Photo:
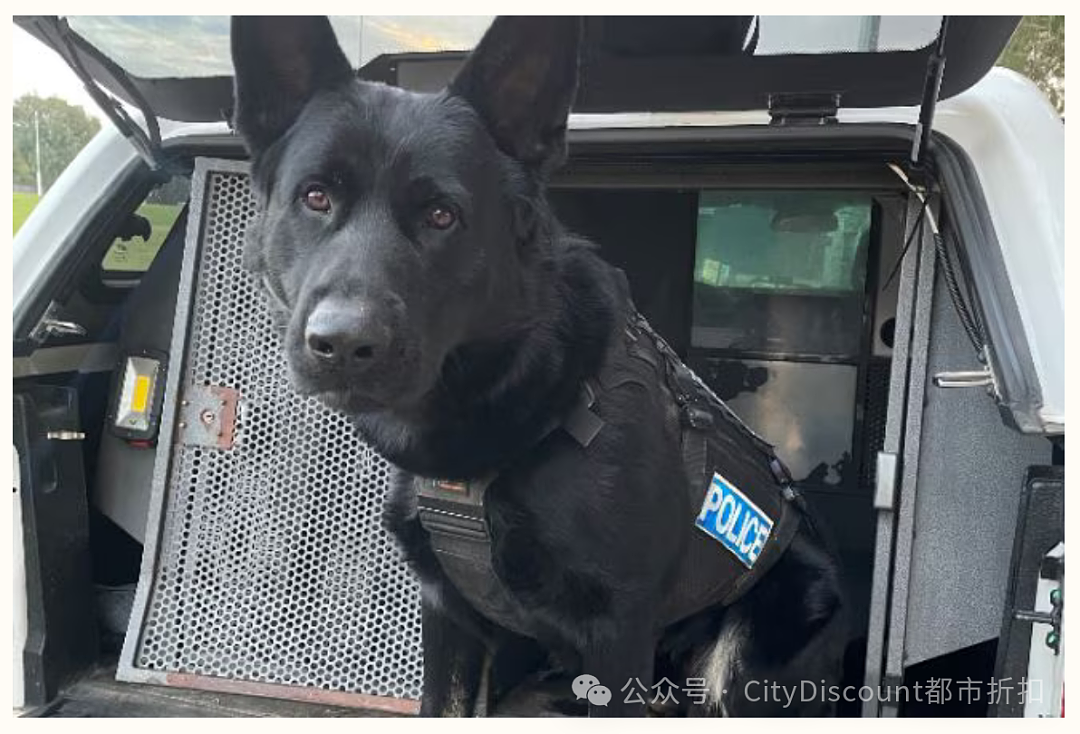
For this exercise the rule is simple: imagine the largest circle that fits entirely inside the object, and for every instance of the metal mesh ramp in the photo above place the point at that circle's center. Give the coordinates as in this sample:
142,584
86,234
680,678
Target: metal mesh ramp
266,569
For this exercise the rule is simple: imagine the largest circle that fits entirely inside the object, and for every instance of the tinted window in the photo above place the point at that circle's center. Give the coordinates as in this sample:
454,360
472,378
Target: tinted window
780,271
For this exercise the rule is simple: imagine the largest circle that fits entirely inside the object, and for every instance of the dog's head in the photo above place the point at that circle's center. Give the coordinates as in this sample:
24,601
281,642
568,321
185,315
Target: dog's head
393,226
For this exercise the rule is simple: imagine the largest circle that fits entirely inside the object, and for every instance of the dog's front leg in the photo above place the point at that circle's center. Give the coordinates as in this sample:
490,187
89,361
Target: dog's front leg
453,665
621,657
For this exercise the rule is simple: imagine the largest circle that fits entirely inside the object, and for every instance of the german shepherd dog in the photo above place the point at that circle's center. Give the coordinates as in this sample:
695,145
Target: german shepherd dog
425,288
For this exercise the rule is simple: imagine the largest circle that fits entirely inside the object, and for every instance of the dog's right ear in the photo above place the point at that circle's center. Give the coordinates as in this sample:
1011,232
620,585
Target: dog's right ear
280,63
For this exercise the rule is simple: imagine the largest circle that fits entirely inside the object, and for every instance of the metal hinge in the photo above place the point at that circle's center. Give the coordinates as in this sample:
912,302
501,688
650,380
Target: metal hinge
984,377
807,108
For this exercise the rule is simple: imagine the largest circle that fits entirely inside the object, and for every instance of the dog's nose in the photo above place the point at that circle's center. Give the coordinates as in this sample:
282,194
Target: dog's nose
345,334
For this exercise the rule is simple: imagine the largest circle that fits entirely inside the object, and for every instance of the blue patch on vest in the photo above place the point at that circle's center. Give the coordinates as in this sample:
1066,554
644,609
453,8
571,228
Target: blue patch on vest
729,516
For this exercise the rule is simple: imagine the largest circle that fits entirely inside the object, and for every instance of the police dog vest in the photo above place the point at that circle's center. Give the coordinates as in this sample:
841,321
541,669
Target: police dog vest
746,510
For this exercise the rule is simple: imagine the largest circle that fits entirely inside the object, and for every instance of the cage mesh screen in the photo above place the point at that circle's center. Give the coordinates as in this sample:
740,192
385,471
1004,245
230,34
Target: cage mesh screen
273,565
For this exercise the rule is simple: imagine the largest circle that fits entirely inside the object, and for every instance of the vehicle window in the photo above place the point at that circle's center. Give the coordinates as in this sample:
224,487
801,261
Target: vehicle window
142,235
817,34
780,271
791,241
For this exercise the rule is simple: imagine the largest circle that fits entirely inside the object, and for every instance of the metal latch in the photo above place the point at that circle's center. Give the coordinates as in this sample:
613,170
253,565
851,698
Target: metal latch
65,435
964,378
208,416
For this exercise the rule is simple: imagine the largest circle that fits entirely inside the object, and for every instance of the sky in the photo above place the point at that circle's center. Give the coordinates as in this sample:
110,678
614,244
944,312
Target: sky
42,71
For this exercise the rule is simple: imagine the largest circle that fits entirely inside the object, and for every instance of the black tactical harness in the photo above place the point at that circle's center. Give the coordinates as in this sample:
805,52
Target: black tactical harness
713,439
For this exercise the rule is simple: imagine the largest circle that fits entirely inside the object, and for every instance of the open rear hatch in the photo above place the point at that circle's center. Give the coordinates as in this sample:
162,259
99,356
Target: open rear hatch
801,69
179,68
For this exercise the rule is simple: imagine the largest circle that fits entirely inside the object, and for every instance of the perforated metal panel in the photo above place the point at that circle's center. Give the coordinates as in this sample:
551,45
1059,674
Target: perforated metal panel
271,565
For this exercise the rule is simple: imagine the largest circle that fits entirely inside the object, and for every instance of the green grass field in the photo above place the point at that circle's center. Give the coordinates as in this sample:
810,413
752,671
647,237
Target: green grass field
24,204
131,256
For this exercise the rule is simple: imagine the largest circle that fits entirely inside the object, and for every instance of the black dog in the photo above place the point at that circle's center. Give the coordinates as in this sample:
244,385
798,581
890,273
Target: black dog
425,288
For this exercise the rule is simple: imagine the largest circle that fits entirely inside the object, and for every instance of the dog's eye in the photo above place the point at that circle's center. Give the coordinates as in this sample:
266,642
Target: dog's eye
441,217
316,199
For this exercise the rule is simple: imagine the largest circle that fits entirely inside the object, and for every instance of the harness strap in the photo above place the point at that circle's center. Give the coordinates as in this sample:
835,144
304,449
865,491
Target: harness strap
452,512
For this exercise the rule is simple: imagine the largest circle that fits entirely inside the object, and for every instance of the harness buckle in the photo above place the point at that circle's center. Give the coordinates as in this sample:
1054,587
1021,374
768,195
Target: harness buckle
781,474
698,417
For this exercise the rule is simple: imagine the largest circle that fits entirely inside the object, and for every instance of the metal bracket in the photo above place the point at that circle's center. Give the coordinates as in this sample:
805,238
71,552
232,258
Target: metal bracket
208,416
49,326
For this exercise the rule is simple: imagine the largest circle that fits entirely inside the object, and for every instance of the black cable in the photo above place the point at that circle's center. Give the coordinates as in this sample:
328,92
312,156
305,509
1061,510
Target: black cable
968,318
916,227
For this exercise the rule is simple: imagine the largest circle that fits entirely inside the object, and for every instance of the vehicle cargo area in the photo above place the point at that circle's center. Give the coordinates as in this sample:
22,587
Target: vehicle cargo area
787,282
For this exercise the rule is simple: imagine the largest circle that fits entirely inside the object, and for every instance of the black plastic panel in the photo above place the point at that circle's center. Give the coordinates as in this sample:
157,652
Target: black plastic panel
61,638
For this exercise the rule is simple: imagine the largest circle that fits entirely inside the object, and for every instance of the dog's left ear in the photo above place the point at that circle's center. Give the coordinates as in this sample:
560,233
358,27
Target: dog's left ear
521,79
